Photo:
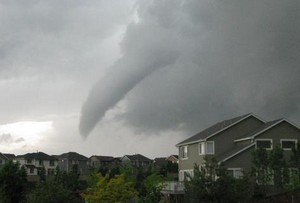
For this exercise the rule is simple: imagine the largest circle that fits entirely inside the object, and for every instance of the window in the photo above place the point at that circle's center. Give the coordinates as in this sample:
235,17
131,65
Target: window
288,144
235,172
40,162
31,170
51,163
51,172
29,161
183,152
186,175
207,147
264,144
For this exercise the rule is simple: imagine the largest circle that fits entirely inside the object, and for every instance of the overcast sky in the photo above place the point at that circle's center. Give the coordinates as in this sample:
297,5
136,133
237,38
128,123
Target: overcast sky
138,76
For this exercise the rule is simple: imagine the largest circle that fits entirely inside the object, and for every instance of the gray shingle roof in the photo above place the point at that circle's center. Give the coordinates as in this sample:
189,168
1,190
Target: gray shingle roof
138,157
37,155
73,156
214,129
104,158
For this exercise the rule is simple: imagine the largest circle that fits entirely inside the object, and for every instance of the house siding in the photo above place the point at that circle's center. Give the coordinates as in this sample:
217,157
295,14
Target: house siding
221,145
281,131
224,140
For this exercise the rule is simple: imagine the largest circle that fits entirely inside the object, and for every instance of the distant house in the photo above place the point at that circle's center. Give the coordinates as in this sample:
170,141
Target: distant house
34,162
67,162
232,142
4,158
137,160
173,158
160,162
98,162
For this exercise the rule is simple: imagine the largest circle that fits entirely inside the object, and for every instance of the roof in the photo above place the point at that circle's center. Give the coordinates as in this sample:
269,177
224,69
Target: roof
73,156
37,155
7,156
103,158
137,157
237,150
10,156
160,161
215,129
233,152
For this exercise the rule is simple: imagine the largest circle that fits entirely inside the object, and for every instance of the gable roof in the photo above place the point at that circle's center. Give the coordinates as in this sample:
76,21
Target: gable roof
252,135
37,155
266,127
10,156
103,158
235,152
215,129
160,161
7,156
137,157
73,156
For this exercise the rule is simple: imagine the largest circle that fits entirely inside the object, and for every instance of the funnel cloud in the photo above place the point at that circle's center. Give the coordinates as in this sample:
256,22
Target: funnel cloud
188,64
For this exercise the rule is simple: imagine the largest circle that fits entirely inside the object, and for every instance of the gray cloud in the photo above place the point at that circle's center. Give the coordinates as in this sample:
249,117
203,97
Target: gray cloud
7,138
187,64
49,53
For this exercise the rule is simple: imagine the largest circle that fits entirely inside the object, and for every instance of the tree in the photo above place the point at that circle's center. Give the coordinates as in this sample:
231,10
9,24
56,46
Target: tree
115,189
13,180
211,183
51,191
153,185
63,187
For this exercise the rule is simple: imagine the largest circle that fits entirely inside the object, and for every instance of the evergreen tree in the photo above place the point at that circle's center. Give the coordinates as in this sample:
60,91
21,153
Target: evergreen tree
13,181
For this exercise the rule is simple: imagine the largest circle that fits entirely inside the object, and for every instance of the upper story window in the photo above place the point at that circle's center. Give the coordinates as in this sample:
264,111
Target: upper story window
41,162
183,151
29,161
264,144
207,147
288,144
51,162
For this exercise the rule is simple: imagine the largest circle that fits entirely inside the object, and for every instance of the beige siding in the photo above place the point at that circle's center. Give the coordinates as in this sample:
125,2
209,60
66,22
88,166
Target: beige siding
193,158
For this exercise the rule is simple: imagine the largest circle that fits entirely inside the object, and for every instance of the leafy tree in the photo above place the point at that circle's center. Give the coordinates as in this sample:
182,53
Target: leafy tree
13,180
52,191
42,174
63,187
260,170
110,190
153,185
211,183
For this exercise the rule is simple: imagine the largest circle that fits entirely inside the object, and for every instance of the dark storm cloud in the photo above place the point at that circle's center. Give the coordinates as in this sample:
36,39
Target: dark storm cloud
187,64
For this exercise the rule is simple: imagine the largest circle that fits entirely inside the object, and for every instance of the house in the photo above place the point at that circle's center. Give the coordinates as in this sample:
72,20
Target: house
137,160
98,162
4,158
232,142
67,162
34,162
173,158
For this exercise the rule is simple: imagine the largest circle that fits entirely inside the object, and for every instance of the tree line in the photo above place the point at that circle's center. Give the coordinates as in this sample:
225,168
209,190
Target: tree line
120,184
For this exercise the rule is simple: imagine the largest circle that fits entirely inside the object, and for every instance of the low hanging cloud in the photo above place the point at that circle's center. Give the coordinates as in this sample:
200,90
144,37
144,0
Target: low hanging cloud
7,139
187,64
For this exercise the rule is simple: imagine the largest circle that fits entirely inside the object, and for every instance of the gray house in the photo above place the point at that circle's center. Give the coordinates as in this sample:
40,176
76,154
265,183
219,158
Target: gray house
4,158
34,162
67,161
137,160
232,142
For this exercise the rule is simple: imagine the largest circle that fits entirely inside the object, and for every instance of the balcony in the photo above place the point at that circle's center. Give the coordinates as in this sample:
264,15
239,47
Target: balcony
173,187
